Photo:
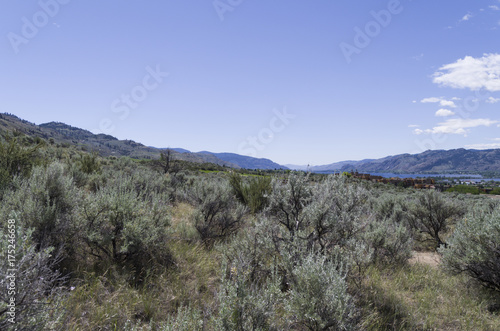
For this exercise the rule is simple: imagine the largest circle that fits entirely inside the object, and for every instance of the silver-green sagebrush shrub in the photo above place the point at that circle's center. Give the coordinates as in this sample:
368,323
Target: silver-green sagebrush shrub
325,217
328,218
318,297
388,234
186,319
338,213
250,290
391,242
474,247
218,215
245,305
274,283
123,226
288,198
34,285
47,202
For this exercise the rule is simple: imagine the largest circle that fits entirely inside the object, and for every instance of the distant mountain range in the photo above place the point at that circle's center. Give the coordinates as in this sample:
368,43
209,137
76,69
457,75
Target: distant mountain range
436,161
241,161
432,161
106,145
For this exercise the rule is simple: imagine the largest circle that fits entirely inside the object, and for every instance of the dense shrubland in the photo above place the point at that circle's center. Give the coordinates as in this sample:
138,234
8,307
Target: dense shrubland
115,243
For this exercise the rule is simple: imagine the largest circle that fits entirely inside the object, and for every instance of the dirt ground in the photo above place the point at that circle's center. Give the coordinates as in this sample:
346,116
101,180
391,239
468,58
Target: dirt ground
430,258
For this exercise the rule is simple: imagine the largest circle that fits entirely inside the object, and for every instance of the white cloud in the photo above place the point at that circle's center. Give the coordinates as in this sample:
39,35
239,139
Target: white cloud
432,99
483,146
442,102
472,73
492,100
457,126
466,17
494,7
444,112
418,131
418,57
413,126
447,103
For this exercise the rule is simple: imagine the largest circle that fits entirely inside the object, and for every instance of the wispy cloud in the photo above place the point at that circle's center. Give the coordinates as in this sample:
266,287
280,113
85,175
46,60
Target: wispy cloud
442,101
418,57
413,126
466,17
472,73
444,112
483,146
459,126
492,100
494,7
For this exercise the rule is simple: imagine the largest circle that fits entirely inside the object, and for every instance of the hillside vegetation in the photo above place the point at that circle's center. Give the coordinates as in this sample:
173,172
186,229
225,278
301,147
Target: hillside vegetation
115,243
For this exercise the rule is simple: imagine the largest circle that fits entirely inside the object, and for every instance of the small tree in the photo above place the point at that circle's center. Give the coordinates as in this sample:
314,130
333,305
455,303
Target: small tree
432,213
166,163
287,200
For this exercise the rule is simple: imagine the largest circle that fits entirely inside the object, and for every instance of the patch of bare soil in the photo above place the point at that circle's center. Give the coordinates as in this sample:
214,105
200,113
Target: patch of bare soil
429,258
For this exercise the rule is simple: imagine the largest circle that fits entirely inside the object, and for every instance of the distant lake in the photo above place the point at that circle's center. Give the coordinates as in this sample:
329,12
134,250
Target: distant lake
475,178
389,175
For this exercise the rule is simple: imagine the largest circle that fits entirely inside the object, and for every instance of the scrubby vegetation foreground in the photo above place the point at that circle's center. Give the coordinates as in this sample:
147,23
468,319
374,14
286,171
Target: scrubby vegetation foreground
115,243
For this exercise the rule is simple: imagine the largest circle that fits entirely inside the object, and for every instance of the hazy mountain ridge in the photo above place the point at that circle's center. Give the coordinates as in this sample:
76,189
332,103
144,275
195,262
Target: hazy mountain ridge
437,161
247,162
107,145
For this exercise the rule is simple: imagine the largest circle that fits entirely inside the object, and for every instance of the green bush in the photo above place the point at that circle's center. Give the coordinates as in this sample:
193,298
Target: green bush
89,163
15,160
126,227
474,248
388,234
318,298
253,193
218,215
47,202
464,189
391,242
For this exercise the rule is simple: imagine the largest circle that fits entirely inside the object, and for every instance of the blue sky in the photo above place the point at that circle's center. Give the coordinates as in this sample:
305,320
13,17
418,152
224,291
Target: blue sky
296,81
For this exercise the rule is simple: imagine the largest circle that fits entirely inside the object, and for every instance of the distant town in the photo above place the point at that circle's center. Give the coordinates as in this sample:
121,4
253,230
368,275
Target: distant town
472,186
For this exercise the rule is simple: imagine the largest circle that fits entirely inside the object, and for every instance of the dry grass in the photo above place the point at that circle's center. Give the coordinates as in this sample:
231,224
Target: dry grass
109,302
180,222
423,297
